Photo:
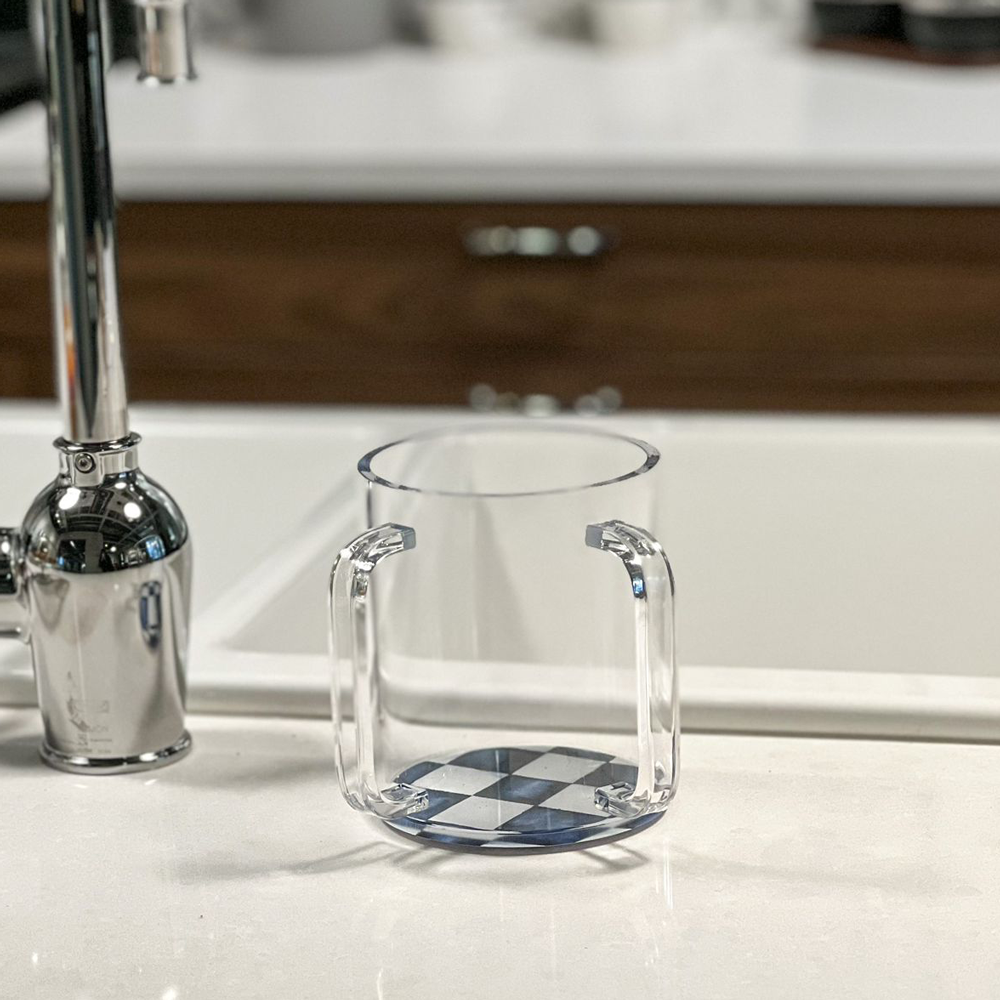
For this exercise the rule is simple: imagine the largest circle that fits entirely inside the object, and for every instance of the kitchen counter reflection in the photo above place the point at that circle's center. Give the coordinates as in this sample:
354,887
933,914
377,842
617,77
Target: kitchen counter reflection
786,869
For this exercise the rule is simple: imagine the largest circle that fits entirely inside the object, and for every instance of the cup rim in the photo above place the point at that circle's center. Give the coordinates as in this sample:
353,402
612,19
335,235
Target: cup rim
652,457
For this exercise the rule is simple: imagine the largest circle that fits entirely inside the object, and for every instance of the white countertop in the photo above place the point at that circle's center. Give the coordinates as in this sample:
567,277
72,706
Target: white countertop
729,112
786,869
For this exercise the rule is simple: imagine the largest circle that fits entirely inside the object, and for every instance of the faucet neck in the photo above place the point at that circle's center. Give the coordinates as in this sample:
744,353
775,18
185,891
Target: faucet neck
84,250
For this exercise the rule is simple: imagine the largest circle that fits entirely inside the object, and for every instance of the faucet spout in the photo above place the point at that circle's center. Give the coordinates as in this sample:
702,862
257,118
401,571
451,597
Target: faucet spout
89,364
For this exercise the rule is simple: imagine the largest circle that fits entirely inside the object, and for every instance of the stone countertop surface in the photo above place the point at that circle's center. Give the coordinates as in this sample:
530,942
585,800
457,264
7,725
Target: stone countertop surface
786,868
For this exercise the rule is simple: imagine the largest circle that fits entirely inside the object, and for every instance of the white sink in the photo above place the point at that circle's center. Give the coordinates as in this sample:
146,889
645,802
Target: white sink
835,575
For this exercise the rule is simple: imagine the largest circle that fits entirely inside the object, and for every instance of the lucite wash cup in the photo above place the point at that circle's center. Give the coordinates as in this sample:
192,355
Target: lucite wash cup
502,639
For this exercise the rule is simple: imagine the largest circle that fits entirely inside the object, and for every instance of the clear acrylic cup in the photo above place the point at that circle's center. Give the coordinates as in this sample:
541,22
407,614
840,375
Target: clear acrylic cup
506,680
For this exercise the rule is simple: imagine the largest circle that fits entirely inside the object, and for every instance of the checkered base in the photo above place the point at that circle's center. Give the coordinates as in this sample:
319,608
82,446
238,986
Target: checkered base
518,798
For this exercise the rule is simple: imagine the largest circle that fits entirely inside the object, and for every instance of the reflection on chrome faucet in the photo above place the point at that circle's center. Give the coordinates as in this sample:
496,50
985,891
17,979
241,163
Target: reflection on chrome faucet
97,578
150,613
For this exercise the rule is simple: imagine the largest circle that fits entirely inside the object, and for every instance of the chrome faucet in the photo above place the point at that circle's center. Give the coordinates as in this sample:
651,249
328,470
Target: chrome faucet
97,579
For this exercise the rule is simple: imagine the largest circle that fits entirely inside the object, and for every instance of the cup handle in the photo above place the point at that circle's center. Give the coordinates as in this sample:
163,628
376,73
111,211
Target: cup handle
657,695
353,655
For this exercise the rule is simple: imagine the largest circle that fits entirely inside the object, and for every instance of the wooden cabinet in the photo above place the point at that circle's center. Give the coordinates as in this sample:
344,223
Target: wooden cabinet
722,307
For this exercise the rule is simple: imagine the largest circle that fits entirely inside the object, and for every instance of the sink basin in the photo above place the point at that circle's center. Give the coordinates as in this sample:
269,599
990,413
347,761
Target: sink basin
835,575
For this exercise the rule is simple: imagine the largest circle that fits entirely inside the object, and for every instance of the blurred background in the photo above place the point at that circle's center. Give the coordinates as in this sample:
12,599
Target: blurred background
541,204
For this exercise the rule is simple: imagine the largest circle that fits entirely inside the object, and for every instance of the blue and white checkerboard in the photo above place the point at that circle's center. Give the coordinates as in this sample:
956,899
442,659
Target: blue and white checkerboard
531,798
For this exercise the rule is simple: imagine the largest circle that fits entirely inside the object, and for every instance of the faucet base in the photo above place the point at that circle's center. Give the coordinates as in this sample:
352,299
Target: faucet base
77,764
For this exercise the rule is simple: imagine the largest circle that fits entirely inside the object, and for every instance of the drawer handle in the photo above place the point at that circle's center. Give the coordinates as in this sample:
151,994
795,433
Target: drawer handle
580,242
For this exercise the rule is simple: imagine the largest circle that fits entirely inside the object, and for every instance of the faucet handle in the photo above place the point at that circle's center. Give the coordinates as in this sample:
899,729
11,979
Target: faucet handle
163,31
13,620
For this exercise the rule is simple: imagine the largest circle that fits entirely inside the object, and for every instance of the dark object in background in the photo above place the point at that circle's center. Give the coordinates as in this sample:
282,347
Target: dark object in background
838,19
952,27
14,15
20,75
121,15
22,70
21,78
953,32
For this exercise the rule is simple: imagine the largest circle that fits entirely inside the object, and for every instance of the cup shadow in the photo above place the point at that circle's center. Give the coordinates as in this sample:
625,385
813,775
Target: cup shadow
420,859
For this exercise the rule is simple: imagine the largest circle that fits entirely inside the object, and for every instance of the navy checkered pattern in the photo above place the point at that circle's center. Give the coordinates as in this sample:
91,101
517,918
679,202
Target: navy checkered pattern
543,796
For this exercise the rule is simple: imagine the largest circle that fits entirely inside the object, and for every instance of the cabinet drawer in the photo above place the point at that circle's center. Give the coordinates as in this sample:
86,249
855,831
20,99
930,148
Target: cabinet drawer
825,308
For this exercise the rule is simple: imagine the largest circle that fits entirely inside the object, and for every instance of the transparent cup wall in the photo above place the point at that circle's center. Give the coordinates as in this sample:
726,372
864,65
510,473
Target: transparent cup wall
502,639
